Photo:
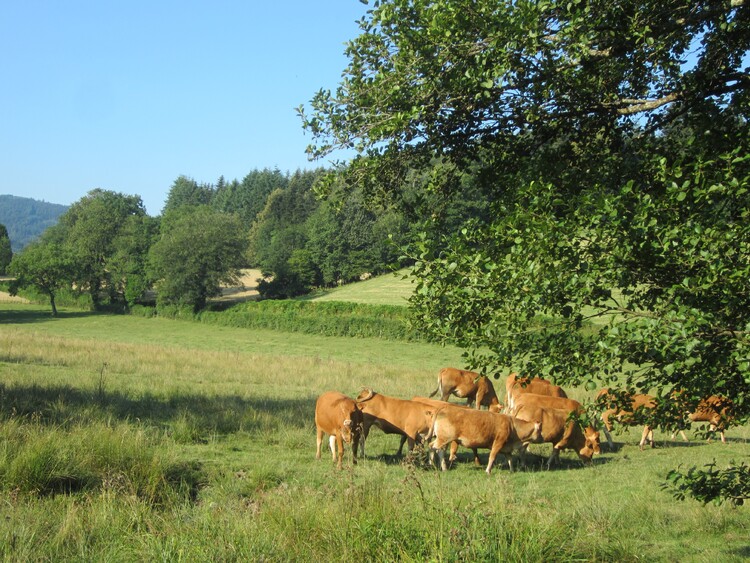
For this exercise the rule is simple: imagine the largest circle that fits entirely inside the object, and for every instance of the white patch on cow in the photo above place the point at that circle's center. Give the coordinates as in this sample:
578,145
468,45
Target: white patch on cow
332,445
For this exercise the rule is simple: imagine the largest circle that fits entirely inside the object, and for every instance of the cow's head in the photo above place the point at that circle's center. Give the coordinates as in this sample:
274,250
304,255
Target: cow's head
592,439
352,426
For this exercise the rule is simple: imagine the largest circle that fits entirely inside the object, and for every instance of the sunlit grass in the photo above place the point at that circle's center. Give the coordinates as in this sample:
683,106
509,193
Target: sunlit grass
171,440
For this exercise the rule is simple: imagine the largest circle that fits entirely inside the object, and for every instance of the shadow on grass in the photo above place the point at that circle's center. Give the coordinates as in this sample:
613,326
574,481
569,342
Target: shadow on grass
533,462
194,416
29,316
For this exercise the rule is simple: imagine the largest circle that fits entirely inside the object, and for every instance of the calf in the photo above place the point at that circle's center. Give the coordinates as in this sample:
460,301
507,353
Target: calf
475,388
515,385
562,433
338,416
635,413
500,433
394,416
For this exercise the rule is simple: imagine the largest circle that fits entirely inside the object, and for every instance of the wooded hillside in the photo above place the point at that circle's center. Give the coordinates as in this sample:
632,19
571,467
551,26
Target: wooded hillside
27,218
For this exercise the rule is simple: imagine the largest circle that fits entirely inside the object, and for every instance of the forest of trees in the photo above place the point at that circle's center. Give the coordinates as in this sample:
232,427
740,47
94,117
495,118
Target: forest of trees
106,247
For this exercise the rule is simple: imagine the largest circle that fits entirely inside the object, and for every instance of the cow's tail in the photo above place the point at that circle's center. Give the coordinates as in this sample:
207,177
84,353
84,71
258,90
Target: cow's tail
431,432
439,388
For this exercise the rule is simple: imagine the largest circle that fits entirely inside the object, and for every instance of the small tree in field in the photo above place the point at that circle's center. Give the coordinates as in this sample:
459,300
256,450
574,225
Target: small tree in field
45,266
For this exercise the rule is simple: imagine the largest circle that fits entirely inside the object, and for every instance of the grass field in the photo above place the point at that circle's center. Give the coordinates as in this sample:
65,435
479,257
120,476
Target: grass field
132,439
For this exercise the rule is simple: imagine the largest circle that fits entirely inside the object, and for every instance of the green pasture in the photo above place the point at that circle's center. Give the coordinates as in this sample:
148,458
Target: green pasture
387,289
134,439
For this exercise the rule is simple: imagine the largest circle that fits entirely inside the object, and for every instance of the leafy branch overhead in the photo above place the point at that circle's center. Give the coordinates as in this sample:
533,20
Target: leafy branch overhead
610,141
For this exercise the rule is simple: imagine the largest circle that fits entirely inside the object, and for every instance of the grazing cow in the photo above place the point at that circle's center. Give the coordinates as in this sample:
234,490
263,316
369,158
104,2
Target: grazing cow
632,415
516,385
562,433
441,405
394,416
716,411
500,433
545,401
338,416
469,385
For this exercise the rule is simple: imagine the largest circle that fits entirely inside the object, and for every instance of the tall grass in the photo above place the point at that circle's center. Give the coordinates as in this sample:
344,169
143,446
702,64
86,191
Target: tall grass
145,439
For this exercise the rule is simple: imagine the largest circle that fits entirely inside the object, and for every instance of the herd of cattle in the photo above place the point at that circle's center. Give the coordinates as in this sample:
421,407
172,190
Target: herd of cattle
535,411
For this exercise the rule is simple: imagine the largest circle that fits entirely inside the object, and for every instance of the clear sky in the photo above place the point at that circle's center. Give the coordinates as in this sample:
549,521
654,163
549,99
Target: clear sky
128,95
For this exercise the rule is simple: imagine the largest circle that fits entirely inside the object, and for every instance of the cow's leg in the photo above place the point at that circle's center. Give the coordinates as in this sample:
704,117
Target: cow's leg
454,449
476,457
401,445
607,428
493,454
648,434
319,440
410,442
363,438
340,448
332,445
355,445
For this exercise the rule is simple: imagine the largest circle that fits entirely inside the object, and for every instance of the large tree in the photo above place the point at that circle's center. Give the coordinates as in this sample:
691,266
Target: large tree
199,250
611,141
91,228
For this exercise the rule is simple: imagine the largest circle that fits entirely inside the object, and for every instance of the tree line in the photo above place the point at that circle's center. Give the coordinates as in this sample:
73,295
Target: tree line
106,248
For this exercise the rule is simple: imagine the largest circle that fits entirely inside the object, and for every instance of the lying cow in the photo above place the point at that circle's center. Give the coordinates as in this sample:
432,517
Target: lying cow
634,414
409,419
475,388
500,433
562,433
515,385
338,416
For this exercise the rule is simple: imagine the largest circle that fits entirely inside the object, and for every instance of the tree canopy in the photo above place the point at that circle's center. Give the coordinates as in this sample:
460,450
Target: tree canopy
197,251
611,142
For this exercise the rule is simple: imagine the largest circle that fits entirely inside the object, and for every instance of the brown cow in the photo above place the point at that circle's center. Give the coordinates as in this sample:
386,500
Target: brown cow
475,388
562,433
716,411
440,405
633,415
515,385
394,416
545,401
337,415
500,433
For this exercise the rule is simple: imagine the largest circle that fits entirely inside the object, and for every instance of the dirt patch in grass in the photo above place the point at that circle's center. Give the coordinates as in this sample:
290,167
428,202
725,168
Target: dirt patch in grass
245,290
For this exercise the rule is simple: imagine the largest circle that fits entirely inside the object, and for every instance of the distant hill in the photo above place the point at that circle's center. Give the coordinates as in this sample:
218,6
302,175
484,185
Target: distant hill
27,218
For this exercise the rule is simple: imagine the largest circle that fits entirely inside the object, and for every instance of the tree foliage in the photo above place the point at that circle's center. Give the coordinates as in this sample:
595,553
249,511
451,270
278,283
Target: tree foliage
92,228
712,484
44,265
611,140
198,250
6,253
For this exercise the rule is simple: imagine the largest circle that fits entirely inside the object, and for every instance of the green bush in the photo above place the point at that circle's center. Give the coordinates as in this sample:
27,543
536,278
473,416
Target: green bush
329,318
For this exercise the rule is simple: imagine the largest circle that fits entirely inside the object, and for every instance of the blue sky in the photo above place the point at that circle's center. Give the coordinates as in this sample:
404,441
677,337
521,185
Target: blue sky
129,95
